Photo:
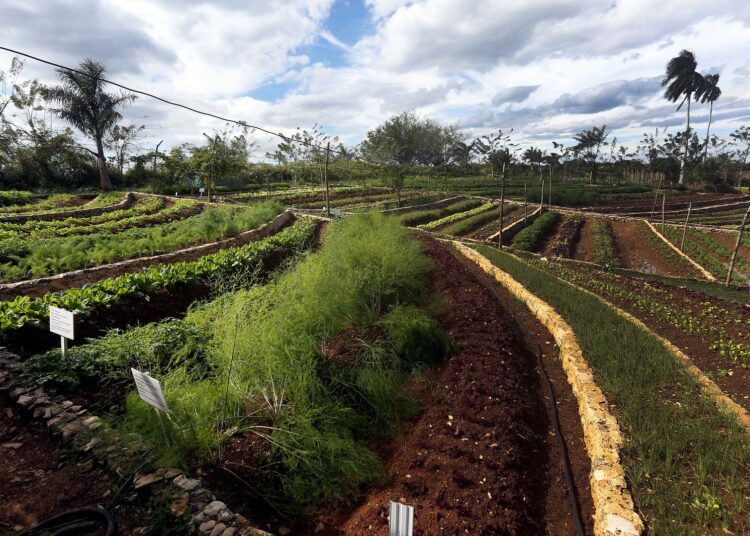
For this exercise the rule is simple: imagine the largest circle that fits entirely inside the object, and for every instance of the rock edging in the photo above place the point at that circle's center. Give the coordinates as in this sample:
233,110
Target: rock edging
83,431
614,511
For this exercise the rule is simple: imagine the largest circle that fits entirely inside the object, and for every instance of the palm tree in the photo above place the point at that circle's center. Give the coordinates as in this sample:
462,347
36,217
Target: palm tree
709,92
682,81
85,105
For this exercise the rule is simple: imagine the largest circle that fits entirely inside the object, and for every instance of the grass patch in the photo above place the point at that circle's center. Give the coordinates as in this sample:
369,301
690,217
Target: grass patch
686,461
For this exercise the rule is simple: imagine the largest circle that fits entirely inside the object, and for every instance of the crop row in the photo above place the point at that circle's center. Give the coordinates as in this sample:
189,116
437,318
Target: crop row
457,216
529,238
686,461
25,311
47,256
313,366
605,249
416,217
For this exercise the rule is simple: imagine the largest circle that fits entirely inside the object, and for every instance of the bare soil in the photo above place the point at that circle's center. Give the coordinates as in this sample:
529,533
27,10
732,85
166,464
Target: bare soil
584,247
38,479
638,253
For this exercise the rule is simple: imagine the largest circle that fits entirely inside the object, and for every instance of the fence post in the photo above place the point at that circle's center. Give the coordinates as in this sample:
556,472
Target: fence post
684,230
737,246
325,180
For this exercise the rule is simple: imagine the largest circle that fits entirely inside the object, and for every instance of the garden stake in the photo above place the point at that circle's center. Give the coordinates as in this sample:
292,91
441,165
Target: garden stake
737,246
541,202
684,230
325,180
502,202
525,203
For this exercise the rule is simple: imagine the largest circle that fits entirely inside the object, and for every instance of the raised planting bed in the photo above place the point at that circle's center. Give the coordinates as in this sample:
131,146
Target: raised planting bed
148,293
48,256
686,461
640,249
530,238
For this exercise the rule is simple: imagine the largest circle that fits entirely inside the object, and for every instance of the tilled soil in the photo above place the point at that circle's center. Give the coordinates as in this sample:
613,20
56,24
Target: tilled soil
477,460
584,247
636,251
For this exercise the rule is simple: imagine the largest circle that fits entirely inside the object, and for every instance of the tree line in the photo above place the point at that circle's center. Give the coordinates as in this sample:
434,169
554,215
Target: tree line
37,153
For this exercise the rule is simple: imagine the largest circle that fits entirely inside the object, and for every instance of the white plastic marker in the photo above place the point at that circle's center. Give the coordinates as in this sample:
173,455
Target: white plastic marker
62,322
401,520
149,389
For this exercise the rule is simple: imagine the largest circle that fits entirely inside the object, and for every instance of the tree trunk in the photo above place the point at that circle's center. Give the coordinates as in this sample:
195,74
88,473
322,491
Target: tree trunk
708,130
104,182
683,162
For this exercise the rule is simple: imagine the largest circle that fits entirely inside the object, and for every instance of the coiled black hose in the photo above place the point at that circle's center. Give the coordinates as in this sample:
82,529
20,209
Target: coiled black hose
74,522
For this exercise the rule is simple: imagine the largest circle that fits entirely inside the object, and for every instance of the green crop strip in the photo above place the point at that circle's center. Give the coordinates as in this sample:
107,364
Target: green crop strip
25,311
457,216
605,250
47,256
528,238
686,461
315,363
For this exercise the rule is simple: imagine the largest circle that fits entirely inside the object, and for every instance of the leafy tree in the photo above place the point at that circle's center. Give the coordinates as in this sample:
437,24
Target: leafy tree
84,103
681,81
496,150
122,139
589,146
741,138
708,92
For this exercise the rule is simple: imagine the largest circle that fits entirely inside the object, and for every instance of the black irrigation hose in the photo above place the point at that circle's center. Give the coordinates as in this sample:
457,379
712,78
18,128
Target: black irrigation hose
563,448
75,522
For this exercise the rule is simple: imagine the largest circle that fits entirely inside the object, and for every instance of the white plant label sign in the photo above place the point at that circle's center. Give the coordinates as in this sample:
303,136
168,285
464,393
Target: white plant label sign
400,520
149,389
62,322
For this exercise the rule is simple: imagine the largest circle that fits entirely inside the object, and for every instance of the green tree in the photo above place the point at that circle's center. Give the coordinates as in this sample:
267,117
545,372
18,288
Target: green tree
681,81
589,146
84,103
709,92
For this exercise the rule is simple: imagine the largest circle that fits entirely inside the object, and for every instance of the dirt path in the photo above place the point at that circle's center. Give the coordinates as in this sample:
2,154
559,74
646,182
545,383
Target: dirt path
584,248
479,459
635,245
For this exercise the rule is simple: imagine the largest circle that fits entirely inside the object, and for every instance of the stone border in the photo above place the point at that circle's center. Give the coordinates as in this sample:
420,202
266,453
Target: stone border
83,431
614,511
708,275
78,213
97,273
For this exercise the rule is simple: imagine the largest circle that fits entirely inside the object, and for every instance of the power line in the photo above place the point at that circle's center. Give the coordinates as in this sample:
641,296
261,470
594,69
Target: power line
179,105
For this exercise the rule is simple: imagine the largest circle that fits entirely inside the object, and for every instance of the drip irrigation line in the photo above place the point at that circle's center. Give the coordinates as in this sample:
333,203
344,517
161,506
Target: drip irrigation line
184,106
563,448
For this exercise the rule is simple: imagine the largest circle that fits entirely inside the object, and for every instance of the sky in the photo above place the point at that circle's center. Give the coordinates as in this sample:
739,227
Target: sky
544,68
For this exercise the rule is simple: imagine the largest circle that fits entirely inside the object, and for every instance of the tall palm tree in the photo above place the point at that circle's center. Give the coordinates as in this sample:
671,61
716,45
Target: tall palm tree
709,92
681,81
84,104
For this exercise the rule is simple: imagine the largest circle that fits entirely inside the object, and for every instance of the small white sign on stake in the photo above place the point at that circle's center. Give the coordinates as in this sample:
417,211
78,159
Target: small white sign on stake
62,322
400,519
149,389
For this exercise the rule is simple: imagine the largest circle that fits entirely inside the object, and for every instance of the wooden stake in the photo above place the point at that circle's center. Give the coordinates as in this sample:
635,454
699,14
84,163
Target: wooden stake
656,197
502,203
541,202
684,230
525,203
325,180
737,246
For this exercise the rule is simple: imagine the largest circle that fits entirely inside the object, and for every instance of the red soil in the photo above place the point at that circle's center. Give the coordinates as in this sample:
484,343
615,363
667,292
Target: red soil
476,461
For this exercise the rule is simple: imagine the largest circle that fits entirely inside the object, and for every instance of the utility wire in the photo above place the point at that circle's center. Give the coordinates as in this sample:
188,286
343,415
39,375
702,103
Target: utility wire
183,106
